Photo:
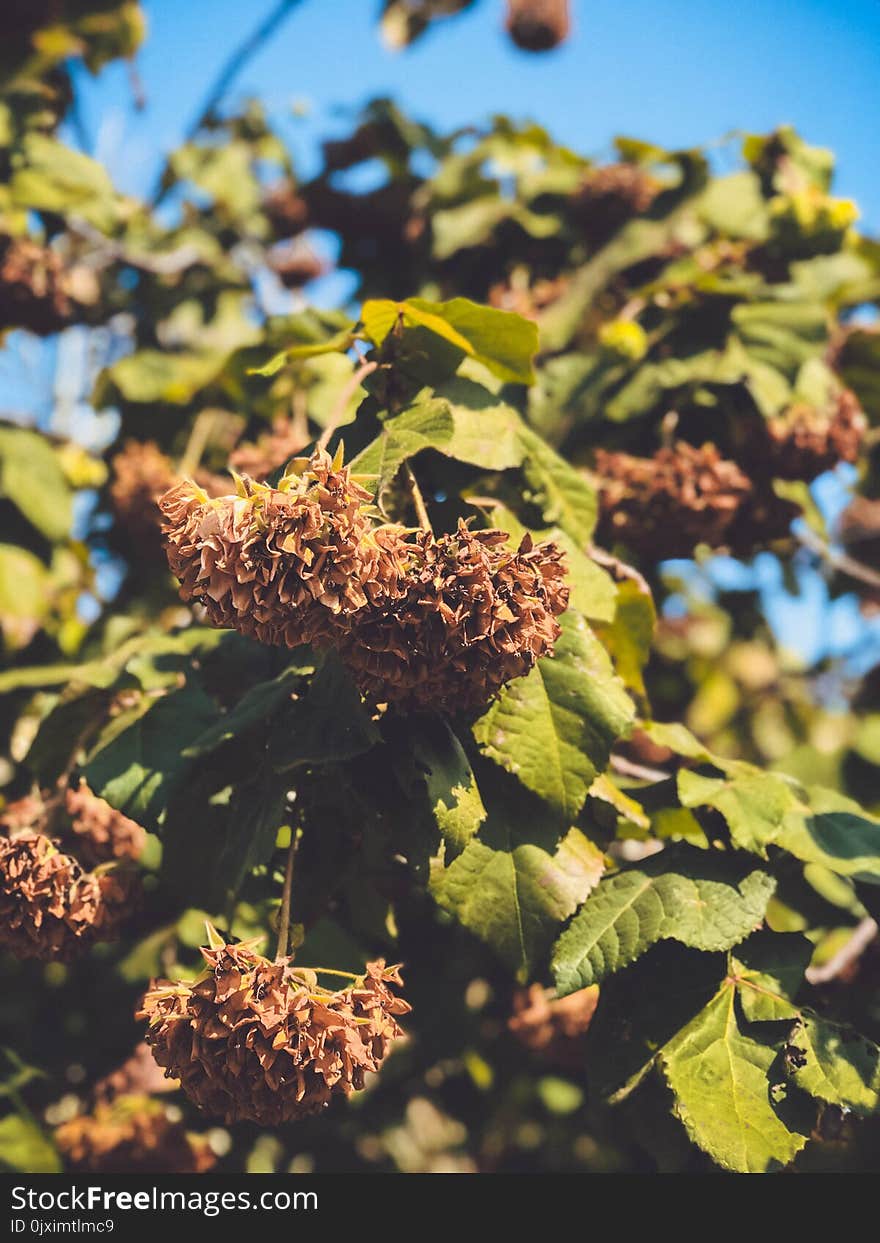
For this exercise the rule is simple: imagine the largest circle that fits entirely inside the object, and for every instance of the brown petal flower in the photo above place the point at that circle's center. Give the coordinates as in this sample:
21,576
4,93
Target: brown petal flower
100,831
287,565
131,1135
259,1040
467,616
805,441
50,908
554,1026
663,506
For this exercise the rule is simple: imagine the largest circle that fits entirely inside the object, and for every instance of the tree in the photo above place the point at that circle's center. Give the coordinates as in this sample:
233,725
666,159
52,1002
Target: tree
346,643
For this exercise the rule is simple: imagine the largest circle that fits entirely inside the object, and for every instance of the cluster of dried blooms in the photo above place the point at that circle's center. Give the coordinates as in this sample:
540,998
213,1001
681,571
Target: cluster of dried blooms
421,621
32,287
141,473
554,1027
805,441
665,505
131,1134
287,565
468,616
684,495
609,196
51,908
257,1040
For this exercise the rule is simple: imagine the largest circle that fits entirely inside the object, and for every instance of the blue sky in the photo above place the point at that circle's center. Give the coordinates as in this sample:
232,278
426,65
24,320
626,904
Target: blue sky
679,72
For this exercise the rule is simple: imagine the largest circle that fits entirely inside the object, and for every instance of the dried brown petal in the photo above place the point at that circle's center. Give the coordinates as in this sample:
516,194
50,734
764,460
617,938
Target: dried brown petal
665,505
467,616
287,565
131,1135
257,1040
50,908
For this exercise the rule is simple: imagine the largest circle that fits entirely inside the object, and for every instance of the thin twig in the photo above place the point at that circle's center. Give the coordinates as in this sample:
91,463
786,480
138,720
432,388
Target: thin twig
628,768
229,71
863,934
284,912
418,500
838,560
338,412
198,439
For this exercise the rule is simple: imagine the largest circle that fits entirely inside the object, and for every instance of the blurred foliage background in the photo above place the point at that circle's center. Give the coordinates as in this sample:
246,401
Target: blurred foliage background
710,364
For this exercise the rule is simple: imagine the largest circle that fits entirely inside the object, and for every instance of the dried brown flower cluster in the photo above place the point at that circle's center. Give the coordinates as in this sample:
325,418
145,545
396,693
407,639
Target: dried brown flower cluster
287,565
554,1026
528,300
538,25
468,615
804,441
295,264
87,824
259,458
609,196
101,832
141,473
137,1076
32,290
663,506
50,907
258,1040
131,1135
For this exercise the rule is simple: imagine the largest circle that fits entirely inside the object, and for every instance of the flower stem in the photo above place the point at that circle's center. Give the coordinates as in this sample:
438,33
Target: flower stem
284,913
418,500
338,412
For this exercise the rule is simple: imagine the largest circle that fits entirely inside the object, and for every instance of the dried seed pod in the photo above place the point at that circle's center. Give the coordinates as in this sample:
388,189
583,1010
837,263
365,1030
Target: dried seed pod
804,441
538,25
258,1040
664,506
610,196
287,565
553,1026
259,458
100,831
468,615
50,908
131,1135
32,291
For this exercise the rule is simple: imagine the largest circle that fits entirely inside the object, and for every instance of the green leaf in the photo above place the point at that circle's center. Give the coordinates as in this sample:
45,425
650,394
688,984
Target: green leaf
25,601
452,787
513,892
339,343
329,722
258,704
139,757
834,1064
564,496
769,969
844,842
503,342
51,177
25,1147
629,635
555,727
160,376
719,1078
703,899
32,479
463,421
735,207
753,803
